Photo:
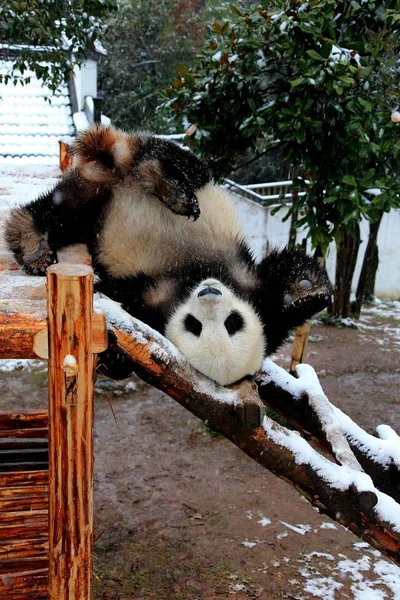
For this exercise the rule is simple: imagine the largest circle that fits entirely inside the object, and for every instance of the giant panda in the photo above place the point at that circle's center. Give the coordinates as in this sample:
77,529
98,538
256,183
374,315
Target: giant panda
167,244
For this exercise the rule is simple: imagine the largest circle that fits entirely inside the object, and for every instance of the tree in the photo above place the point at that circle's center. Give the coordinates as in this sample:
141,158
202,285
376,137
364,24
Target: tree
317,80
60,33
146,41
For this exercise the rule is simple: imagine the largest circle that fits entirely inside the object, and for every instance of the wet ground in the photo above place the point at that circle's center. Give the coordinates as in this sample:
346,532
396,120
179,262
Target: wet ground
182,514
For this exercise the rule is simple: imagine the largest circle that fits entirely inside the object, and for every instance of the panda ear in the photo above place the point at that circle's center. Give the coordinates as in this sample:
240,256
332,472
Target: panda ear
100,153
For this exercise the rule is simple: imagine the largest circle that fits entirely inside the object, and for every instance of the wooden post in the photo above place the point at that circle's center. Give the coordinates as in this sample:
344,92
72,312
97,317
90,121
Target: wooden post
299,352
71,368
65,159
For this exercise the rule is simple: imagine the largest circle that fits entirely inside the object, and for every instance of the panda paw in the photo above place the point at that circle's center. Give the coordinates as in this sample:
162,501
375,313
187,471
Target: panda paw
183,204
308,295
37,262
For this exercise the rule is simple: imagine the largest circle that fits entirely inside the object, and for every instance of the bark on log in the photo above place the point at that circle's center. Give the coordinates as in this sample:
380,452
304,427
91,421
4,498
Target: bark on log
71,370
275,394
21,517
26,420
24,549
23,585
17,332
353,501
10,565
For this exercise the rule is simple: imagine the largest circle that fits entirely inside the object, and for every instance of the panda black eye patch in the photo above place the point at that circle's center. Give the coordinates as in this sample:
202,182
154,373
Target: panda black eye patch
193,325
234,323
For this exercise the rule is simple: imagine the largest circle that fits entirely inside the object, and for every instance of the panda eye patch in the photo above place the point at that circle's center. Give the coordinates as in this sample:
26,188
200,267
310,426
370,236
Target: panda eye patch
193,325
234,323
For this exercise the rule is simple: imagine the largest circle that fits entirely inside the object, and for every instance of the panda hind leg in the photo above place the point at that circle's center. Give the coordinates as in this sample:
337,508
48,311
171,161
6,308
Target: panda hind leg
29,245
113,362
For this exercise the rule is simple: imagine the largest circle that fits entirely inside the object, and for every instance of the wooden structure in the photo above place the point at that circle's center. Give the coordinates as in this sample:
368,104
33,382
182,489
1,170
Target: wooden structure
46,494
46,513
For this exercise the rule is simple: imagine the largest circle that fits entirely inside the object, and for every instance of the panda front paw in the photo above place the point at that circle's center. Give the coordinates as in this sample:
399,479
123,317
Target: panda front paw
183,204
37,262
308,295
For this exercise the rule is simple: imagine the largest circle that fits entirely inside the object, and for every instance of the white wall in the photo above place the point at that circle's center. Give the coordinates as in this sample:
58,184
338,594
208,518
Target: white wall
85,81
262,228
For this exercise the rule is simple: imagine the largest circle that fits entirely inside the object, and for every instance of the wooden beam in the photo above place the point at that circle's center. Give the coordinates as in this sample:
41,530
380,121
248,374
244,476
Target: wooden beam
71,370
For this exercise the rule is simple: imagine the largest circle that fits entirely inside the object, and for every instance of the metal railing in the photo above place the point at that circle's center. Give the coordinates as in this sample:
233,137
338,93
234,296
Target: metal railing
265,193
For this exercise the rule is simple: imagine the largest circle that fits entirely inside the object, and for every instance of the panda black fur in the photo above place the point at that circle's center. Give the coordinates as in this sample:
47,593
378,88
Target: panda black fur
194,280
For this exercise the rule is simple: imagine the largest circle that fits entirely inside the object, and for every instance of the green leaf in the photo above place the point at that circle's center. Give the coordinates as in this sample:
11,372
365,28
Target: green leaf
297,81
326,50
236,11
216,27
313,54
349,180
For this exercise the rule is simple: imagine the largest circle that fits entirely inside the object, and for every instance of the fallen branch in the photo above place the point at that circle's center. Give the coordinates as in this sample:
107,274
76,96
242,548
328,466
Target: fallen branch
343,492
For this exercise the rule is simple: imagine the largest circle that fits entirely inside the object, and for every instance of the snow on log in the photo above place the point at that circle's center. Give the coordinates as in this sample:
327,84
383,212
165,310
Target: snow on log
343,492
290,397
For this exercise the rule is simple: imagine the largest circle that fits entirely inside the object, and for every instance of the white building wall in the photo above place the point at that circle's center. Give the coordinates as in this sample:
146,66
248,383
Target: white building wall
262,228
85,78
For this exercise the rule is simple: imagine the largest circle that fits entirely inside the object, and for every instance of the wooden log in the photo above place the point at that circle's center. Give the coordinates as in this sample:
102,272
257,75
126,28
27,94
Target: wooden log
71,370
25,420
23,582
24,479
99,337
23,336
17,334
11,565
23,504
24,549
37,530
29,516
25,433
22,492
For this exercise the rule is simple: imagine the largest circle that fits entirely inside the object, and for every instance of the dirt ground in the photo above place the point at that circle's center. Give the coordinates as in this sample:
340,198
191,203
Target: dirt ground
182,514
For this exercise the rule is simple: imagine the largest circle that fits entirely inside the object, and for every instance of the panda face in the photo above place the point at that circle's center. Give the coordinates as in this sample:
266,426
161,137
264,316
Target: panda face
220,334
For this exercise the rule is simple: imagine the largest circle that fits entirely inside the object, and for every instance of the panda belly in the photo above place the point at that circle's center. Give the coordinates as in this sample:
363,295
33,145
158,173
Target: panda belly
140,234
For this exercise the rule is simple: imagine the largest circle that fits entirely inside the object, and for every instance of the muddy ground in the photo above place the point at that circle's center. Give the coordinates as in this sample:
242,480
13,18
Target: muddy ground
182,514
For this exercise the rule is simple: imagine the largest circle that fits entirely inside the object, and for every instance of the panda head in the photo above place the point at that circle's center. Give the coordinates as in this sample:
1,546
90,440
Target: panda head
220,334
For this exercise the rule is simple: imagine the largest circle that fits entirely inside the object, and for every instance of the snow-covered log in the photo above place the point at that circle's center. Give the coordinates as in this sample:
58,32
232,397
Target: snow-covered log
303,403
342,491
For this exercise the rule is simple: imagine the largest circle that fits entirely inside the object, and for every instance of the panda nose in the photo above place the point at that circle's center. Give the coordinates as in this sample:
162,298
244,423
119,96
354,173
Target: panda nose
209,290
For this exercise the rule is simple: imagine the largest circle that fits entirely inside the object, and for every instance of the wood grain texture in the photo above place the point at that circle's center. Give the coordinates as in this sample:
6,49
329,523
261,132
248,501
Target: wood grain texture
17,334
70,299
26,420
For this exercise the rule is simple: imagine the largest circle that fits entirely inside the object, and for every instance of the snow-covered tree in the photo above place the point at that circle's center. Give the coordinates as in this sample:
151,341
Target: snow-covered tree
60,33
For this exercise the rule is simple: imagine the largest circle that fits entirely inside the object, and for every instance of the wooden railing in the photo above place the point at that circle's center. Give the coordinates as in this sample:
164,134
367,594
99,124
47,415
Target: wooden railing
46,514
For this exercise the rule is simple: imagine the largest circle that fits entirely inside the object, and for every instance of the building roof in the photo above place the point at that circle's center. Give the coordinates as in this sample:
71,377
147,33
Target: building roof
30,125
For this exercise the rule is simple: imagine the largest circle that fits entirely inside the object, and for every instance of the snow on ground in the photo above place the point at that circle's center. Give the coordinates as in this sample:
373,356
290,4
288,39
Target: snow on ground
21,184
323,575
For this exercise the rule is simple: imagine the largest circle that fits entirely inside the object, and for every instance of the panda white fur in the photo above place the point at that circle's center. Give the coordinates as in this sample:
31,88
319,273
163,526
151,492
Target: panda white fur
128,196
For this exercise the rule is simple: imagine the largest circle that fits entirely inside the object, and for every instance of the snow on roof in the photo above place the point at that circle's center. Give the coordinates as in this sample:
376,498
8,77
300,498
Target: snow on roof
30,125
